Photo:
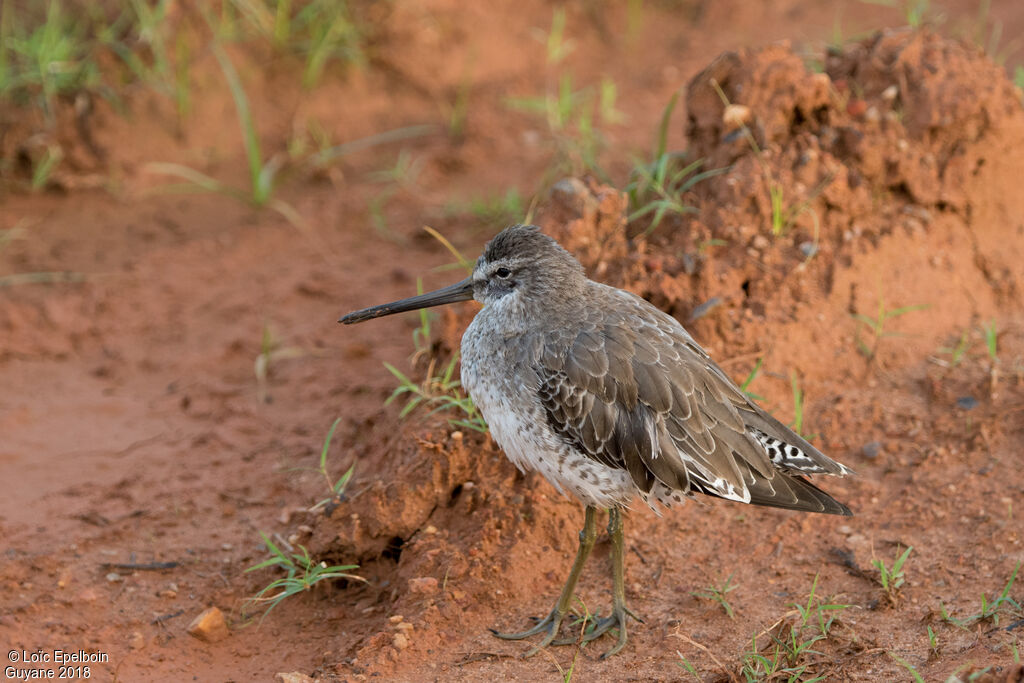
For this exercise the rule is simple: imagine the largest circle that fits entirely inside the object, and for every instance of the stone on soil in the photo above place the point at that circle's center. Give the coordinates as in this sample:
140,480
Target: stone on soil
210,626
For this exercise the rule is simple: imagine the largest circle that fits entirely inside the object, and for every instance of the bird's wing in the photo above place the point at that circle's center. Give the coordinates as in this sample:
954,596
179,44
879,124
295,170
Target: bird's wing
631,389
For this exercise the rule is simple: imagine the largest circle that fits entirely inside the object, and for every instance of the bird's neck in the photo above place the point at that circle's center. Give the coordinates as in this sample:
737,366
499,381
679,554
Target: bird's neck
539,310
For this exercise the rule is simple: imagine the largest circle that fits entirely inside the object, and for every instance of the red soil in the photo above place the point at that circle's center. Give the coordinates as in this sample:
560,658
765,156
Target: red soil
132,428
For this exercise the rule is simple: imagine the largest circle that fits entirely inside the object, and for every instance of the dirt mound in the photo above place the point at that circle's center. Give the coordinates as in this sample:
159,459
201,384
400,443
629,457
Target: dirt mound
893,176
889,153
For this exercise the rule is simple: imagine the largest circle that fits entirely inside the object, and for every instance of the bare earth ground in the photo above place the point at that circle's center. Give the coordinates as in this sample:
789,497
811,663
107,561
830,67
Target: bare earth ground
132,428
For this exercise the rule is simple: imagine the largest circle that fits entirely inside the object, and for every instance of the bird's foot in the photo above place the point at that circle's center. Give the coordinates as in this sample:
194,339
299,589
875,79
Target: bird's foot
549,626
597,626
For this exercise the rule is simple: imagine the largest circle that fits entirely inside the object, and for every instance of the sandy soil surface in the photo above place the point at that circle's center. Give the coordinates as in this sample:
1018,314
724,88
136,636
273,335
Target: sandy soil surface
142,452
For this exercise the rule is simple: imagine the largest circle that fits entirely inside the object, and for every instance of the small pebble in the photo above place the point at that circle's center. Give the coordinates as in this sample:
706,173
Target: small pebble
210,626
736,115
293,677
400,641
871,449
113,577
967,402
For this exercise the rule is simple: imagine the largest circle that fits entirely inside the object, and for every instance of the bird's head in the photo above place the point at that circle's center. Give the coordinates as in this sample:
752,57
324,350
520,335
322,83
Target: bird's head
521,268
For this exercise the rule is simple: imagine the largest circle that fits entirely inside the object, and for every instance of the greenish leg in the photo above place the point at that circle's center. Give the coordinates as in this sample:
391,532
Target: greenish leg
620,613
550,624
619,609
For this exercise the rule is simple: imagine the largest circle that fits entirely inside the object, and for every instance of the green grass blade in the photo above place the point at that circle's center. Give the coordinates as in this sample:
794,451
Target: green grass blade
908,666
661,142
327,443
245,120
189,175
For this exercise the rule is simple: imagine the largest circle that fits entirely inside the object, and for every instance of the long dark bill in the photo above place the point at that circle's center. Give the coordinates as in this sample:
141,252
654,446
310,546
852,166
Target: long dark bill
460,291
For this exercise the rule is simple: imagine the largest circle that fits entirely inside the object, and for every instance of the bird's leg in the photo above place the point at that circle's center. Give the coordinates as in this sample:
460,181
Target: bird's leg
549,625
619,614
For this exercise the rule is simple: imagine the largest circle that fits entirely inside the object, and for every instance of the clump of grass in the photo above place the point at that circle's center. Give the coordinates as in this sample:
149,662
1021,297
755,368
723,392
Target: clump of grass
321,31
717,593
891,579
572,115
792,642
302,572
956,353
441,391
685,663
403,173
271,351
262,173
911,669
990,335
876,326
656,188
37,65
991,609
141,38
336,486
491,209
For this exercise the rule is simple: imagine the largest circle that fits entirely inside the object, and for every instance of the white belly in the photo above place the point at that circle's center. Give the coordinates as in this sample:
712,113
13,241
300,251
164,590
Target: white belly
518,424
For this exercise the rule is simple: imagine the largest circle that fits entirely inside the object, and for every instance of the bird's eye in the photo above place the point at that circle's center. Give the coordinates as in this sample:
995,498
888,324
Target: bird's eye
503,273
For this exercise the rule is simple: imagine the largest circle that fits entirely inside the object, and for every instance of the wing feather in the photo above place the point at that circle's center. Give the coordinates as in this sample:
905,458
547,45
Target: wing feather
631,389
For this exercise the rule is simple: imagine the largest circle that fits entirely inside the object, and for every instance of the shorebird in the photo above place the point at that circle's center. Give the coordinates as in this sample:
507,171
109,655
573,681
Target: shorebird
610,399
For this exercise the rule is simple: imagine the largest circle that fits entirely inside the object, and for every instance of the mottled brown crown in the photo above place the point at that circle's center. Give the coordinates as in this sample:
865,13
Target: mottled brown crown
524,241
